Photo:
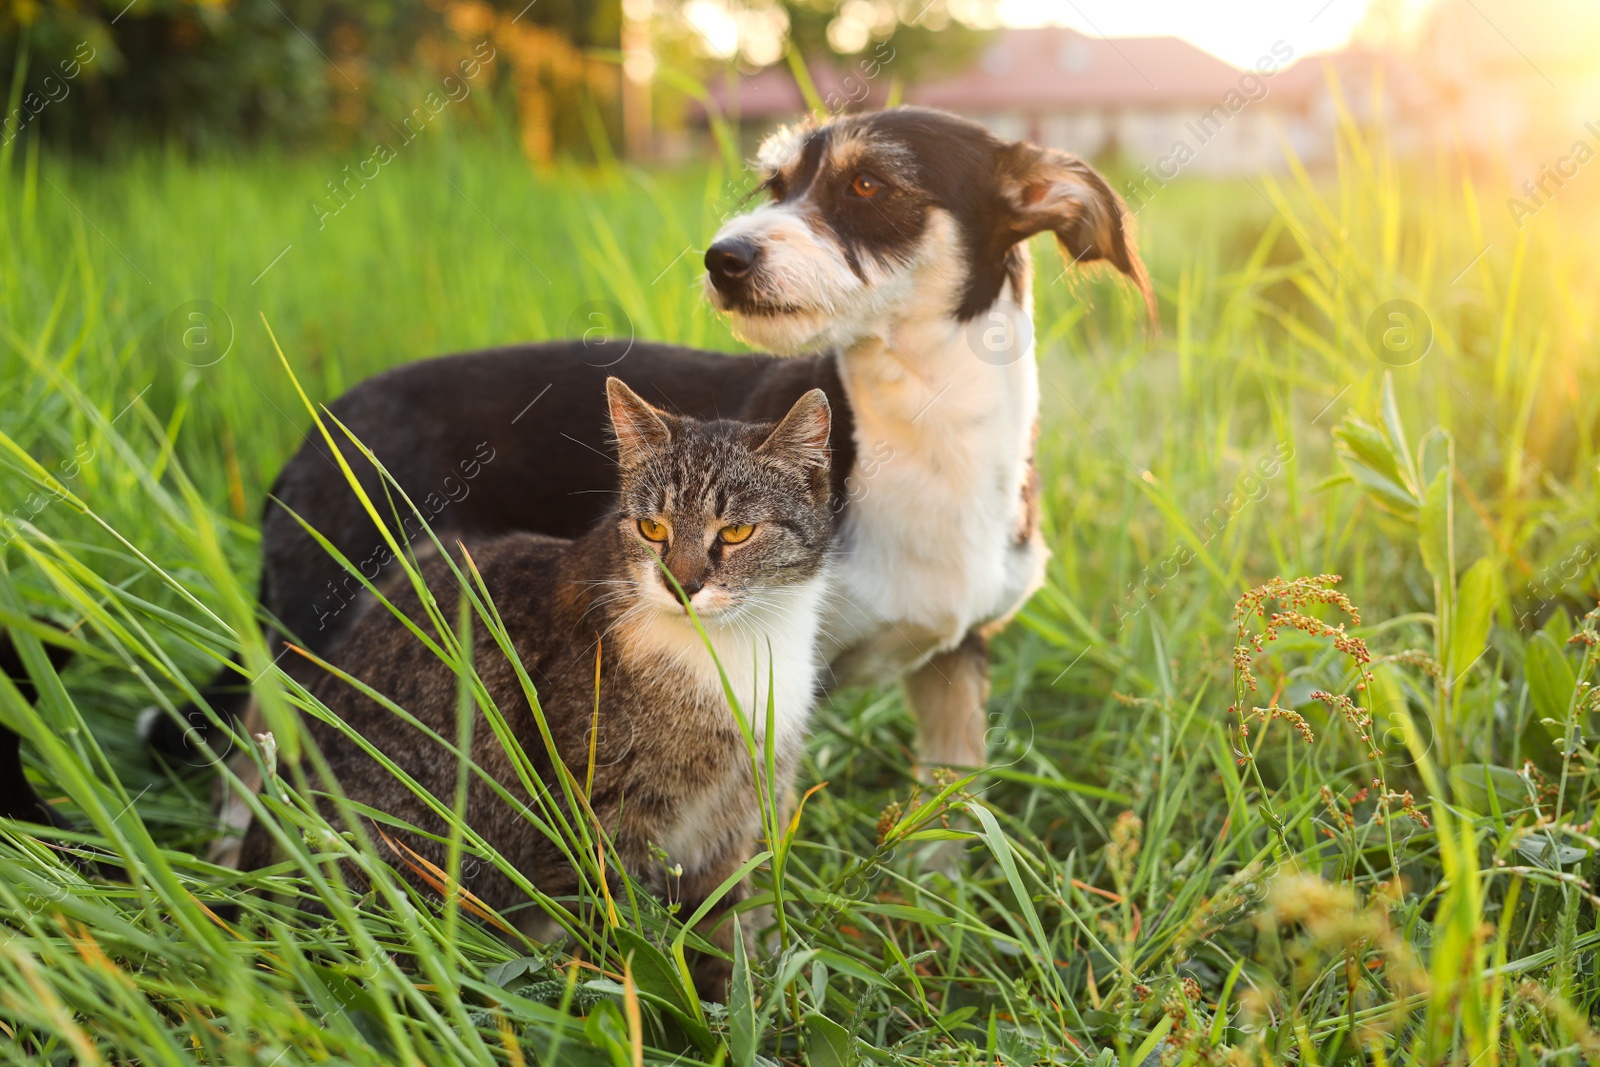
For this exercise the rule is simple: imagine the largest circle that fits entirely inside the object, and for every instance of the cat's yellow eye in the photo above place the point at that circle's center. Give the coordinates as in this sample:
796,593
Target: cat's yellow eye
651,530
732,535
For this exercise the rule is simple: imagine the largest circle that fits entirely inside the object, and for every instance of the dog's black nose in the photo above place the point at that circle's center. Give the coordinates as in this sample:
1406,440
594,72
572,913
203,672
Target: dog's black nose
731,259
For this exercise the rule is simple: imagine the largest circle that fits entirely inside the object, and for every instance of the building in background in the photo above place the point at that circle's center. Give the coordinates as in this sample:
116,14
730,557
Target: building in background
1164,106
1133,98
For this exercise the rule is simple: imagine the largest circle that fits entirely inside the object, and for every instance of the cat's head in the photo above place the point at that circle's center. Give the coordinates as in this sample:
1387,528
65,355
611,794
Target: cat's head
734,509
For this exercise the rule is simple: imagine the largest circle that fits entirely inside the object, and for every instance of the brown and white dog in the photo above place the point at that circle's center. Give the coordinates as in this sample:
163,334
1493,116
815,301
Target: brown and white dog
892,249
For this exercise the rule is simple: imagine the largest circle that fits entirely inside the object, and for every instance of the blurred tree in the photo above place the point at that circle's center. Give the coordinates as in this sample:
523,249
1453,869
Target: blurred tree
202,70
850,36
758,33
923,33
92,73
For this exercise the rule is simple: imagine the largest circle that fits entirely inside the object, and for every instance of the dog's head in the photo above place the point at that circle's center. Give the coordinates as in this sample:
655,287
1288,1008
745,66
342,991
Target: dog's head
873,215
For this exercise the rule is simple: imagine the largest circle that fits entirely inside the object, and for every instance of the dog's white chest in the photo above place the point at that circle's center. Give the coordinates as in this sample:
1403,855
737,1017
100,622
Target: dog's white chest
935,542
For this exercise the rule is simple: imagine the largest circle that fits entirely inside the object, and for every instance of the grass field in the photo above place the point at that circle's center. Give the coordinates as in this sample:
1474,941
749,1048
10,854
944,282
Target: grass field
1395,871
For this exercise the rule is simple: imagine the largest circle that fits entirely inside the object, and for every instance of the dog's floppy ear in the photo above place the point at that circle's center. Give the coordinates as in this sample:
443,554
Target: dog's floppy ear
1044,189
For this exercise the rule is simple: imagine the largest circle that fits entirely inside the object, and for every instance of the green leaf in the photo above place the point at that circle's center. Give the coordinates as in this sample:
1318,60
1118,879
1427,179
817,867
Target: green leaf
660,982
819,982
1396,431
902,911
1388,697
1368,445
1059,784
1370,458
1433,529
1542,850
1433,455
1485,788
827,1043
1475,603
954,1019
939,833
607,1028
1386,494
711,901
1559,627
1332,481
1001,848
349,993
653,972
852,968
1550,681
503,974
1151,1041
741,1005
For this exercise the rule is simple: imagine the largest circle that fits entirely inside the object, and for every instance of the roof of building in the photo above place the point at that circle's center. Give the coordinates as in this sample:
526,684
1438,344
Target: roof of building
772,94
1046,68
1054,67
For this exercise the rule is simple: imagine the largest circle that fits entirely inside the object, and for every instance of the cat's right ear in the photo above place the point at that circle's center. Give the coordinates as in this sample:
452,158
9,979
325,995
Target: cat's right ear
802,436
640,428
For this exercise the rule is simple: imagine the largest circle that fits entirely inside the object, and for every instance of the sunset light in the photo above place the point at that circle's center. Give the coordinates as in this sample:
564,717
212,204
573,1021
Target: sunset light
800,533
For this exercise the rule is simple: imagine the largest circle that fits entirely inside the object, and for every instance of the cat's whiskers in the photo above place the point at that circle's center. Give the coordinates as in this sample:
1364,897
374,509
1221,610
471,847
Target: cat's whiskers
622,622
611,597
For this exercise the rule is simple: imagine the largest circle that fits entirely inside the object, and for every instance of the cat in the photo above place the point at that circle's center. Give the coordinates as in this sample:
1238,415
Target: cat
738,514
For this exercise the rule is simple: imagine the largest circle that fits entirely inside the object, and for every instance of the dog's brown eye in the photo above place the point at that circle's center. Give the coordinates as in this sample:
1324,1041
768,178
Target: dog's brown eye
866,186
651,530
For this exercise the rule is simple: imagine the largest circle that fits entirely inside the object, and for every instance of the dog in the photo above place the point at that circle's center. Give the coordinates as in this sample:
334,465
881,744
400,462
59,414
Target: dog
888,252
18,799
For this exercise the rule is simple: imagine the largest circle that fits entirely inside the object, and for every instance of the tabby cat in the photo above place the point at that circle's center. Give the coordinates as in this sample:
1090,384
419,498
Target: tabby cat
738,515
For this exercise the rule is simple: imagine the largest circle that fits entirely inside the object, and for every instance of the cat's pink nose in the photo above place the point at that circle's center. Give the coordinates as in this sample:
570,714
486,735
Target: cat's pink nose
690,586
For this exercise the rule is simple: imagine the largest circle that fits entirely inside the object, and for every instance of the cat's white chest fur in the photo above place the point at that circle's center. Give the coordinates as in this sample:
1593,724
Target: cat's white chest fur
771,647
929,547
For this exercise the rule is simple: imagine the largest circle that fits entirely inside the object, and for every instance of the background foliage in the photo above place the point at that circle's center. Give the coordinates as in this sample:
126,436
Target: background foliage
306,72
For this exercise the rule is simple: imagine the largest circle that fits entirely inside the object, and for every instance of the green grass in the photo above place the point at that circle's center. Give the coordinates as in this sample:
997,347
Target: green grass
1127,871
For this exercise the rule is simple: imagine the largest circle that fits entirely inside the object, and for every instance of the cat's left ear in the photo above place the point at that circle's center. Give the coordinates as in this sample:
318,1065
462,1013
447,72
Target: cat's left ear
802,436
640,428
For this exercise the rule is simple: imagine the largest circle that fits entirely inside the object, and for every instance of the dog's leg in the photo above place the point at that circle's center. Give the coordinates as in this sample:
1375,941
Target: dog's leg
233,813
949,695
